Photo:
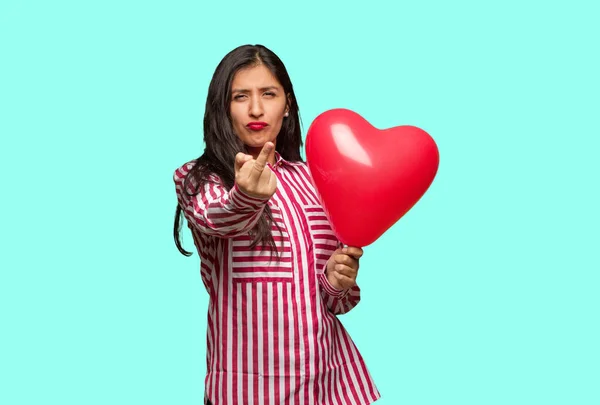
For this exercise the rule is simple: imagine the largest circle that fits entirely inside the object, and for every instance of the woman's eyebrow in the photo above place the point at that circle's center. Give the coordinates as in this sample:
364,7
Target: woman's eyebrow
261,89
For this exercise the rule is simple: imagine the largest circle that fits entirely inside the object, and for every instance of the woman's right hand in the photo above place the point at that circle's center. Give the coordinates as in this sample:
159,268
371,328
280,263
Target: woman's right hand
254,177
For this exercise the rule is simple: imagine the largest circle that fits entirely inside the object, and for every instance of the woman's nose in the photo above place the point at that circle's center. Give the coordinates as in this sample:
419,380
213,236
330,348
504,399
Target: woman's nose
256,108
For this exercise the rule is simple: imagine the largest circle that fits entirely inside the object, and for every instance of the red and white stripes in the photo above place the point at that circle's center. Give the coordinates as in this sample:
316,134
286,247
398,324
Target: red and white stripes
273,336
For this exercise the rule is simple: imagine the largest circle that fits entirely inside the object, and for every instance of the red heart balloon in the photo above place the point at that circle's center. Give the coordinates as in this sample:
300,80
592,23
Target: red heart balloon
367,178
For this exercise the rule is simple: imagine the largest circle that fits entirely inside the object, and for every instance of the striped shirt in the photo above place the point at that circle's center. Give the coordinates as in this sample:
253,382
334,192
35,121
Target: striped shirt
273,336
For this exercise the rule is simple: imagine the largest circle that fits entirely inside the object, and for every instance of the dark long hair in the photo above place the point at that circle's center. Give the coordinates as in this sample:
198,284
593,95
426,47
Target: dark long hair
222,144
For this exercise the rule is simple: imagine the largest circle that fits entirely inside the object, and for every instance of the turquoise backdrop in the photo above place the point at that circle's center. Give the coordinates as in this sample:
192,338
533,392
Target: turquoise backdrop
485,293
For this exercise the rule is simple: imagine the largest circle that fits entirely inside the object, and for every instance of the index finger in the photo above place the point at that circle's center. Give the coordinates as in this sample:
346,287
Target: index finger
355,252
261,160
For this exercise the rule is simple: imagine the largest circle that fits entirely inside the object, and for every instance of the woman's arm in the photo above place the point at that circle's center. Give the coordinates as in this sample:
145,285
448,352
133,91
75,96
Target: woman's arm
229,213
338,280
338,301
217,211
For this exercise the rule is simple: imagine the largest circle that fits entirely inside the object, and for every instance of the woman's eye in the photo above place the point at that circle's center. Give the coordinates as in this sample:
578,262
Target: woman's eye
239,96
269,93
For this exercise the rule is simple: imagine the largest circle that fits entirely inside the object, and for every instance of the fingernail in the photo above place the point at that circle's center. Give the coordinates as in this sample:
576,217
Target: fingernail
345,250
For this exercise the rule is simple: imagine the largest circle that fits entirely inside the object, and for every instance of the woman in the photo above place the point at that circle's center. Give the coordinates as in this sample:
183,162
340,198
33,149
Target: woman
275,272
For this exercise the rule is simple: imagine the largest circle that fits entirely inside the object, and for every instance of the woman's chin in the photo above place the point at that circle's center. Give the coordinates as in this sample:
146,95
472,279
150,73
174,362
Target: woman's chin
254,145
257,143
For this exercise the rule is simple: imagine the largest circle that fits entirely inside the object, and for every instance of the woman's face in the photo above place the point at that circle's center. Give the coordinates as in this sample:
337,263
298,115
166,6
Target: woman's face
258,105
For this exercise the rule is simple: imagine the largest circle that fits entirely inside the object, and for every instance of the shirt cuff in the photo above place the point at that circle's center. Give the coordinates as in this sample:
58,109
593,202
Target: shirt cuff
241,200
330,289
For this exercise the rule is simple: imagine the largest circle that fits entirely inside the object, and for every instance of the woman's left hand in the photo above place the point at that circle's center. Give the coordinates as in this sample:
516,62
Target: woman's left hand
342,267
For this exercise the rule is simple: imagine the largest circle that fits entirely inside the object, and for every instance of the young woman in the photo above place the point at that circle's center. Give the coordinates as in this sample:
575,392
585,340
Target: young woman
276,274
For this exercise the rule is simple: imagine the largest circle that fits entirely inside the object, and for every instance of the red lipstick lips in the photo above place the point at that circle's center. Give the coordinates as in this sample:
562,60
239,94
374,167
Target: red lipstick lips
256,126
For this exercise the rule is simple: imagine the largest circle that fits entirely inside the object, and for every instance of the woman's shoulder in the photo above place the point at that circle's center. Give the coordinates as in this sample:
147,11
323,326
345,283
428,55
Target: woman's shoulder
298,166
183,170
187,166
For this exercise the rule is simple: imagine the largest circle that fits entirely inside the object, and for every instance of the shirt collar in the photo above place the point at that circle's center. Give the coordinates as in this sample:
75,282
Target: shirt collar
280,161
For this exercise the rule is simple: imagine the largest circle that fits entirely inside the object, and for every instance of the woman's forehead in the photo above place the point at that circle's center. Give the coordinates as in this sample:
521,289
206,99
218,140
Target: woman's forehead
255,77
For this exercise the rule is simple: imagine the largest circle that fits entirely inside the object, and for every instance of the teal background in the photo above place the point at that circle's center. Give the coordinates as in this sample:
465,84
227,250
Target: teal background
486,292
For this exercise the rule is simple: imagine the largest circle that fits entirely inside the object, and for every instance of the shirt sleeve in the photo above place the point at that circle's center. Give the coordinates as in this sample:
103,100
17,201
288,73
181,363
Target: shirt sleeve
217,211
337,301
